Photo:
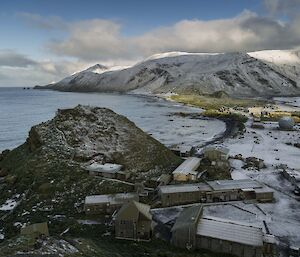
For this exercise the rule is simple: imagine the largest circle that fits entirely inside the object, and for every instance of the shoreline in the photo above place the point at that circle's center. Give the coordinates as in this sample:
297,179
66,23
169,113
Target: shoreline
231,126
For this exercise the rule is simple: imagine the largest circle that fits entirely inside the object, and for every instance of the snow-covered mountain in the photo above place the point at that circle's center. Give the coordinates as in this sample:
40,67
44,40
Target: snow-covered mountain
284,61
238,74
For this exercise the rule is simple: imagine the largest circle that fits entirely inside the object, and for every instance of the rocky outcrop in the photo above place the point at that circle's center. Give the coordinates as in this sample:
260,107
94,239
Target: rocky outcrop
86,133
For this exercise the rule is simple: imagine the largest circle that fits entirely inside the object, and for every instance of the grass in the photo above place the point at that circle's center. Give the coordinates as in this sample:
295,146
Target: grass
225,115
277,115
214,102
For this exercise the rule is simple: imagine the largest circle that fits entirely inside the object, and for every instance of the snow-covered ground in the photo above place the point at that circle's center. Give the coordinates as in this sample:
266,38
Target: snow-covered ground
293,101
269,144
9,205
281,216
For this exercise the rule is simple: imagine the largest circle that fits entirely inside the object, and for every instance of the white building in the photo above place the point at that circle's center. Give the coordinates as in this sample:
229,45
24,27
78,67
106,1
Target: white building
187,170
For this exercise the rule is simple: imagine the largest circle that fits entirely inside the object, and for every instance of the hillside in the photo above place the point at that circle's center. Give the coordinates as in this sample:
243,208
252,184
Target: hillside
283,61
237,74
44,177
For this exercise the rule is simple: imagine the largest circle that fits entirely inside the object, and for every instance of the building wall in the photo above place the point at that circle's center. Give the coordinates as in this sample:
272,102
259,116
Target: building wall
171,199
132,229
180,177
222,246
101,208
184,238
125,229
264,197
178,198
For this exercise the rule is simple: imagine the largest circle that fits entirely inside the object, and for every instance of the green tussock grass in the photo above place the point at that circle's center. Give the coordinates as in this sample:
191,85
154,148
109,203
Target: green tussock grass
215,102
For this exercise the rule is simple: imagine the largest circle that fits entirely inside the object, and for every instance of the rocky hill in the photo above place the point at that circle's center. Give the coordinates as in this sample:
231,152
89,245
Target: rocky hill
44,178
237,74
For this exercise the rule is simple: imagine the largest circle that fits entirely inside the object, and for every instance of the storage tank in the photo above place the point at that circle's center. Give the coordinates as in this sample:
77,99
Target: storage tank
286,123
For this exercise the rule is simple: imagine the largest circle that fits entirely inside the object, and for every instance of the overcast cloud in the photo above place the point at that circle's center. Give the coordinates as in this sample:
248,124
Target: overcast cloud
11,58
93,40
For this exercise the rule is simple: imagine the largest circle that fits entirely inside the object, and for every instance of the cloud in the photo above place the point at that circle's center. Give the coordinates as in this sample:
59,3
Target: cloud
102,40
283,7
11,58
17,69
41,22
93,39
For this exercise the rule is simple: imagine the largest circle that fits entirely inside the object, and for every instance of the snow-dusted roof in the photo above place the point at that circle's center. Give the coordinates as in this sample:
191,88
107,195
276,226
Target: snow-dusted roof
233,184
229,230
221,149
211,186
169,189
190,164
111,198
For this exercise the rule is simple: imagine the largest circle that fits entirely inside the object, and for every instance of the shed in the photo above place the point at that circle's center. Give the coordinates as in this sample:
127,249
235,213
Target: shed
133,222
107,204
35,230
185,227
216,153
227,236
186,171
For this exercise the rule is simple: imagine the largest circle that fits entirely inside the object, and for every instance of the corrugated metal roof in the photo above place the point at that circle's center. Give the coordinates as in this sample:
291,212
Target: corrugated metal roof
111,198
215,185
168,189
230,231
233,184
190,164
188,217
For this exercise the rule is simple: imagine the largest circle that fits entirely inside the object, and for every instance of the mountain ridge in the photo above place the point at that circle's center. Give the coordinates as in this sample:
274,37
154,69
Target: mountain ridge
237,74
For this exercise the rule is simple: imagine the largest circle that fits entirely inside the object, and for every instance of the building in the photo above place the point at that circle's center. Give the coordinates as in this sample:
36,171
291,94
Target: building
192,230
35,230
133,222
107,204
293,176
216,153
185,228
227,236
108,170
187,170
182,151
214,191
163,179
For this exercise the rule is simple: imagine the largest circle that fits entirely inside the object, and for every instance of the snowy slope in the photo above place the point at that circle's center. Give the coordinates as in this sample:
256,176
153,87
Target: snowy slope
238,74
284,61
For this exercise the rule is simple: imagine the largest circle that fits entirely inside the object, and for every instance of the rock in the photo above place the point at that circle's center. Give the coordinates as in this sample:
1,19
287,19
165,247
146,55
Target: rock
11,179
4,154
3,172
253,162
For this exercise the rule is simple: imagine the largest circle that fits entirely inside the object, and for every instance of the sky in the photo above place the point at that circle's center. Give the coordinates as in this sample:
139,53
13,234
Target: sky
44,41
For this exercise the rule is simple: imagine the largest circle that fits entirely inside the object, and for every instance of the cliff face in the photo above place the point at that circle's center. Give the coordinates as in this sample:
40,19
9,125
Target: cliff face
45,175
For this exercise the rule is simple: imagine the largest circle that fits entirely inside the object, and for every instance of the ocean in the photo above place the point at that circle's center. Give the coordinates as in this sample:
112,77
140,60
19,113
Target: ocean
21,109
